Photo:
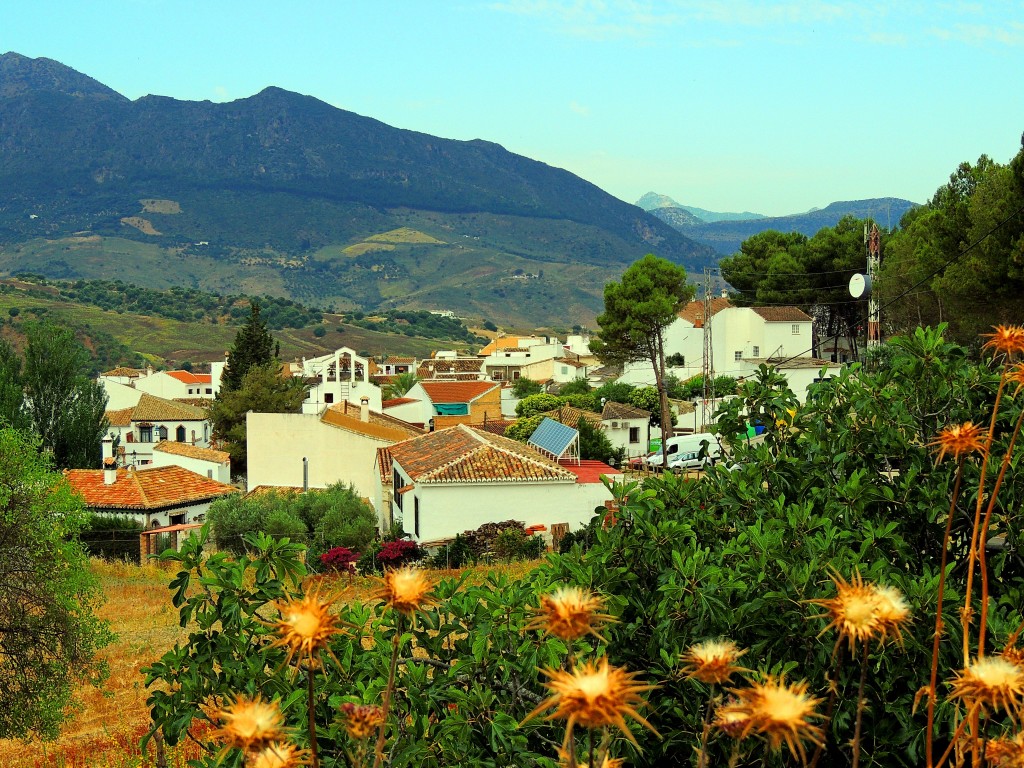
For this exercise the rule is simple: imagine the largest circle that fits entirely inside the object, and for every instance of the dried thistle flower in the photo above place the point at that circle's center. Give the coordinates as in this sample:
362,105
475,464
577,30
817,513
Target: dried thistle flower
893,612
569,613
960,439
248,723
854,611
278,755
779,712
990,684
1016,376
306,626
361,720
1007,339
405,590
732,718
1005,752
594,695
608,762
713,661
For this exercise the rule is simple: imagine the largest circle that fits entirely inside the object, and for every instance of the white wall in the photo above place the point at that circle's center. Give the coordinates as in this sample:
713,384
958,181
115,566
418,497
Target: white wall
619,437
160,384
449,509
120,396
276,443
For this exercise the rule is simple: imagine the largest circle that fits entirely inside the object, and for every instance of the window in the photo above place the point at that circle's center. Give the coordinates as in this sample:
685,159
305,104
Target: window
565,370
796,329
416,516
738,354
162,432
328,397
145,434
756,352
396,483
179,434
209,390
634,434
209,473
130,437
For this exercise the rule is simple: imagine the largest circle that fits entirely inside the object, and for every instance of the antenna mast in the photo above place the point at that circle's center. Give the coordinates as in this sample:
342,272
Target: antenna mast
708,362
874,254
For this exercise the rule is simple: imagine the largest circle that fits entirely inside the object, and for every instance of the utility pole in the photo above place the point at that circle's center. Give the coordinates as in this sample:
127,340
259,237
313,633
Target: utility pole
708,362
874,254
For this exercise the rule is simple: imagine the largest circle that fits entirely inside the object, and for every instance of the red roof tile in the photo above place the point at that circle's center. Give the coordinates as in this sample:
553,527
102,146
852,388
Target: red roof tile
379,425
456,391
589,471
694,311
462,454
782,314
398,401
148,488
187,377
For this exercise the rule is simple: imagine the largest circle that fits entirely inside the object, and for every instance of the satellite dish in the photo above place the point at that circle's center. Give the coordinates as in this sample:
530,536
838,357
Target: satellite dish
860,286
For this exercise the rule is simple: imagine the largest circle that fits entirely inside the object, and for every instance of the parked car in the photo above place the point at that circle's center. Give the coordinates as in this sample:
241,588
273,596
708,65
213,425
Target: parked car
689,451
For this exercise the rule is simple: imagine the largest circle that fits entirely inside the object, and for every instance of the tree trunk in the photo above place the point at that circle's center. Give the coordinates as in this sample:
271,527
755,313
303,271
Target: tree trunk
658,363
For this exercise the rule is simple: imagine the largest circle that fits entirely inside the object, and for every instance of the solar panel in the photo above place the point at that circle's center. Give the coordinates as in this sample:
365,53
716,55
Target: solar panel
553,437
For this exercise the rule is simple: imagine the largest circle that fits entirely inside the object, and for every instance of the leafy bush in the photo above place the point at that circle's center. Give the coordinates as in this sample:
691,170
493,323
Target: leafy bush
524,387
575,387
395,554
535,404
521,429
456,554
584,401
340,559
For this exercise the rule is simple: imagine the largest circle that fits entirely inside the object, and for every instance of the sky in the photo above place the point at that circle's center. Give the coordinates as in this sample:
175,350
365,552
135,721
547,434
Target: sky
774,108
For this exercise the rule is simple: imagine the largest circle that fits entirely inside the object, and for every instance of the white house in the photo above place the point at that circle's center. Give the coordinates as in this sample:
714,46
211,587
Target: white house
443,403
172,385
455,480
209,462
155,496
296,450
153,419
742,338
627,427
338,377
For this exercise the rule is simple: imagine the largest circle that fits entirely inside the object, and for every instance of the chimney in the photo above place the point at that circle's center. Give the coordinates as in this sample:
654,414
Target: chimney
725,294
364,408
149,370
109,464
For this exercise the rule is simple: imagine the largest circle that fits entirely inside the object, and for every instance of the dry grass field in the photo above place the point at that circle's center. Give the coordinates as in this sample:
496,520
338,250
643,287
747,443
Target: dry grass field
105,730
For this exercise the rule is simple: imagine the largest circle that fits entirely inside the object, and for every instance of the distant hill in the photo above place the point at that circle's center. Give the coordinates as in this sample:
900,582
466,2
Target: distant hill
652,201
282,193
726,236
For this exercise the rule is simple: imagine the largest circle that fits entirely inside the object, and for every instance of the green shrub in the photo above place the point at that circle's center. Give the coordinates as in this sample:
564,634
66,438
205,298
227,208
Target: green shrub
112,537
535,404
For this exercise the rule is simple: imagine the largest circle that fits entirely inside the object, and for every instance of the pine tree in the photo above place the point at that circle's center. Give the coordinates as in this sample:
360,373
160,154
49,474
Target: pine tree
253,346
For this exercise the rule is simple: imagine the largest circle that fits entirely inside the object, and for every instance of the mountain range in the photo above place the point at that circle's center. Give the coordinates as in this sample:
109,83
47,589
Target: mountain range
285,194
724,232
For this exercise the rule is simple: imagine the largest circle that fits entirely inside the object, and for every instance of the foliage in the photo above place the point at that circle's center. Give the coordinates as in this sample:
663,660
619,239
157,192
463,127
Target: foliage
12,394
253,347
324,518
595,445
614,391
456,554
262,390
522,429
524,387
647,399
339,559
418,323
636,314
575,387
514,544
66,408
49,633
400,385
583,400
584,538
395,554
535,404
694,387
929,267
112,537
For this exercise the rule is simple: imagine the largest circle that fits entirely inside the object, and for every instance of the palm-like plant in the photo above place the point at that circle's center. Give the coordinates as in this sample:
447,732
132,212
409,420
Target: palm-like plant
400,384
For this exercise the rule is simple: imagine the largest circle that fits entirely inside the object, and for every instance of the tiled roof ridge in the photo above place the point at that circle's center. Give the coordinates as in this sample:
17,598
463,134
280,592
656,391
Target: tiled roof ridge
512,447
133,474
182,411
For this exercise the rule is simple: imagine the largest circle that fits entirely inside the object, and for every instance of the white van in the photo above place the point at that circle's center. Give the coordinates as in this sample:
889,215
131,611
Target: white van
684,451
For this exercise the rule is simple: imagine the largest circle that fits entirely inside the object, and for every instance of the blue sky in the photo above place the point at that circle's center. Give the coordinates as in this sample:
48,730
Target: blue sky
767,107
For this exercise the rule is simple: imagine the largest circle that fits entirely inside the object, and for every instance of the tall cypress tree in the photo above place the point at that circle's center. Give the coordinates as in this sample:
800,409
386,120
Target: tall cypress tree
253,346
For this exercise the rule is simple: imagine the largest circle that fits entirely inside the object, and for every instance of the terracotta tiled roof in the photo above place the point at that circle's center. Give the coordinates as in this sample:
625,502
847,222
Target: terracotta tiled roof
120,418
589,470
152,408
124,371
783,314
148,488
570,361
462,454
794,362
398,401
379,426
196,402
456,391
400,361
192,451
187,377
613,410
694,311
384,466
570,416
495,426
284,490
430,368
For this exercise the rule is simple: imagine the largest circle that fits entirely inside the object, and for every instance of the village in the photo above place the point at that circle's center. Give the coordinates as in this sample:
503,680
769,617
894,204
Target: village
433,460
